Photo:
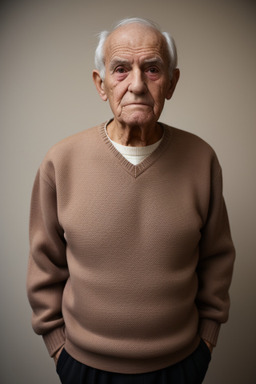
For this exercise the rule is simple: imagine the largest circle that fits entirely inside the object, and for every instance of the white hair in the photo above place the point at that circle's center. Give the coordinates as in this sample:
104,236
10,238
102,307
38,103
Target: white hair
99,53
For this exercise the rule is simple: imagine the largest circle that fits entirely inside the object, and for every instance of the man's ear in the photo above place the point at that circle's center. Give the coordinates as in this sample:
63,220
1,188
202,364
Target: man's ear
173,83
99,83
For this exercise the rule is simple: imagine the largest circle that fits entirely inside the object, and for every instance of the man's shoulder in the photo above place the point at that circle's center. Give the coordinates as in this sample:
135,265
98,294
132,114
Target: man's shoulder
74,149
188,140
75,143
83,137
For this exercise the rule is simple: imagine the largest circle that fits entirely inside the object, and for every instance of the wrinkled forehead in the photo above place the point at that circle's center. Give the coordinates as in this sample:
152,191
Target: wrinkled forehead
133,39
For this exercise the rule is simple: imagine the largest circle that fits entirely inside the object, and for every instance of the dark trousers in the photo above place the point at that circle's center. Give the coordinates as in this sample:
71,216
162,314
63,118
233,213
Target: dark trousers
191,370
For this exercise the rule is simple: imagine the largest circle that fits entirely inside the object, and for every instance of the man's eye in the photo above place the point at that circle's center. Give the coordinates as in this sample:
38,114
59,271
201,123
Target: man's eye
153,70
120,70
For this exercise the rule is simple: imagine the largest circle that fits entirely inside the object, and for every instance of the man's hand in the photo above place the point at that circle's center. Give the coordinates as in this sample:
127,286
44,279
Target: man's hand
57,355
209,345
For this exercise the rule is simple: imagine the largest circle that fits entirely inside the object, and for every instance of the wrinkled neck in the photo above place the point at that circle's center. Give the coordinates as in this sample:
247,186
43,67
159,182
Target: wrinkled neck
134,136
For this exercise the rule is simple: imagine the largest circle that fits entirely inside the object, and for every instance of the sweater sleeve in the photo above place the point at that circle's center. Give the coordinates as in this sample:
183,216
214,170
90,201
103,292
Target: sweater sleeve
215,265
47,269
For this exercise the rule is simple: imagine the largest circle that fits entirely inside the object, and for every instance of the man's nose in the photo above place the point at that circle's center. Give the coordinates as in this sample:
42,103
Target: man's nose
138,84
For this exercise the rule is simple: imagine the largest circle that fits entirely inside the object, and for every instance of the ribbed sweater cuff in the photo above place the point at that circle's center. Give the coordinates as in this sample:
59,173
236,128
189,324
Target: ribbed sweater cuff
209,330
54,340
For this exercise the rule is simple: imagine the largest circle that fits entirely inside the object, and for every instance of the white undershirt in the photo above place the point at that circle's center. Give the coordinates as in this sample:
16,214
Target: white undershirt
135,155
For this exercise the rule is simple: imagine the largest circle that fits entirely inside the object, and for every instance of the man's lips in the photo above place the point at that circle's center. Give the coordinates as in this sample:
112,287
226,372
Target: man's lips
143,104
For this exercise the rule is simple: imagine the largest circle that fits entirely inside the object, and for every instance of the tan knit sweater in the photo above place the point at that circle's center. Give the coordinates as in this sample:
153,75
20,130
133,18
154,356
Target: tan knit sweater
129,265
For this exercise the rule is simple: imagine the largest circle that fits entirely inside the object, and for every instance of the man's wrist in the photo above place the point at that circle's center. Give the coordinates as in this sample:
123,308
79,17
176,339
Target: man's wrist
57,355
209,345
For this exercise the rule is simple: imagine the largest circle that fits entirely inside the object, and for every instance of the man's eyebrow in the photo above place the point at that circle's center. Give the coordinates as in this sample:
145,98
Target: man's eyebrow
118,61
154,60
121,61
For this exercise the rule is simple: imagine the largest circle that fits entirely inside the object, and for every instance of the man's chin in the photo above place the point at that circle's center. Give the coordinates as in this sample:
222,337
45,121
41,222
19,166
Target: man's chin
139,119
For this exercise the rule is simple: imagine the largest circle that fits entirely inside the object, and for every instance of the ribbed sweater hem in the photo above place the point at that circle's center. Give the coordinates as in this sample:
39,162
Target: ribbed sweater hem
54,340
209,330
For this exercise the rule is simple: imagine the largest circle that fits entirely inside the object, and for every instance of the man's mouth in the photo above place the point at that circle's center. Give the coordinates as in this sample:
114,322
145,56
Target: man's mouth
142,104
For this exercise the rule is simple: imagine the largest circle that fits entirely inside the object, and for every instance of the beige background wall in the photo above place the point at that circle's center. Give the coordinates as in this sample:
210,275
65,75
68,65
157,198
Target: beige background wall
47,50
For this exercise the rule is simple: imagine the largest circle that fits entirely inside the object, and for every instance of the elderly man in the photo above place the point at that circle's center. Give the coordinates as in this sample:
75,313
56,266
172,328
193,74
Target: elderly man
131,254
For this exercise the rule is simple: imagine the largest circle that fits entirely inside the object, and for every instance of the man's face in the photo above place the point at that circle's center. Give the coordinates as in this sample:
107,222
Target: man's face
137,79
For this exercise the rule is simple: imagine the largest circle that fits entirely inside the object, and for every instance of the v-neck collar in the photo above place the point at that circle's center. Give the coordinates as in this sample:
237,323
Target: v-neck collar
136,170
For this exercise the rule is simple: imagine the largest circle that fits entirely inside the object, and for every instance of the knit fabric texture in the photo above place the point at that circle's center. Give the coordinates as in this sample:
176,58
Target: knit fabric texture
129,264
